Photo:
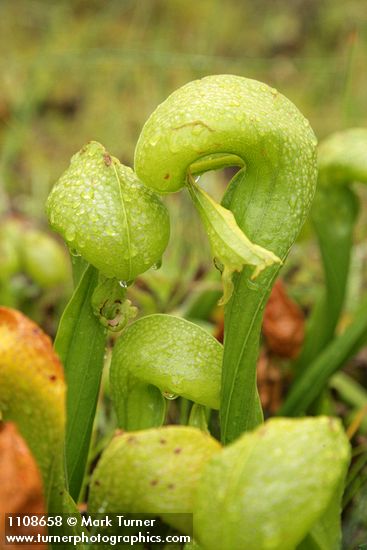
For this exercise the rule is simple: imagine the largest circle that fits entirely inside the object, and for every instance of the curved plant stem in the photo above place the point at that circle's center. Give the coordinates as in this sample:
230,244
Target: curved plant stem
342,160
333,215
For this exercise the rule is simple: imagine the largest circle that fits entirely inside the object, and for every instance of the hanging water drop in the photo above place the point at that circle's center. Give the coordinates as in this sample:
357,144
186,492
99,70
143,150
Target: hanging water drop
123,284
169,395
157,265
70,233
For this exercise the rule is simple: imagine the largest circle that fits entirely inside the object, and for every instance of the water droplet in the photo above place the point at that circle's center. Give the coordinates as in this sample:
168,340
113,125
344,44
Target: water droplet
154,139
70,233
123,284
170,396
74,252
174,143
157,265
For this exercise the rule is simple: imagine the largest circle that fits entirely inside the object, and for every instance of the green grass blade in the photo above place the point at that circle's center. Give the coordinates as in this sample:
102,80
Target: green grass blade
80,343
312,381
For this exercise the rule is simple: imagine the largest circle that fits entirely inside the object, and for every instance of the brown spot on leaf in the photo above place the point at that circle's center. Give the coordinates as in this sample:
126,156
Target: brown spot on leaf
177,450
162,441
171,486
27,347
167,176
107,159
154,482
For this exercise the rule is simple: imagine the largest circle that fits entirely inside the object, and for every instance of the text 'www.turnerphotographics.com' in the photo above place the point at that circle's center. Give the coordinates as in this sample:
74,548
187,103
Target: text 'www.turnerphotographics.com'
112,529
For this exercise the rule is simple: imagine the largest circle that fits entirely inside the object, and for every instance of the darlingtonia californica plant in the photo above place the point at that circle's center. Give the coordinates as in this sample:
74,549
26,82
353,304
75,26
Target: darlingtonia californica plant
243,490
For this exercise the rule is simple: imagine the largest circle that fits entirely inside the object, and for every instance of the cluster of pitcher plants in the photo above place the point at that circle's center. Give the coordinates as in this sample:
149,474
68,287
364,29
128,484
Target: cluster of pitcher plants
266,485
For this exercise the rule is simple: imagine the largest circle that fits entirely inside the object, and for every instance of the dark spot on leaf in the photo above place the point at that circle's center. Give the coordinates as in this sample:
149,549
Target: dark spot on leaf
177,450
107,159
97,482
52,377
131,439
162,441
154,482
171,486
167,176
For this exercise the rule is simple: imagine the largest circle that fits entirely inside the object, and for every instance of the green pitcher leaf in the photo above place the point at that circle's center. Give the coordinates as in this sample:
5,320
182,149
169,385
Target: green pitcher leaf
229,244
266,490
326,533
221,120
105,214
175,356
152,471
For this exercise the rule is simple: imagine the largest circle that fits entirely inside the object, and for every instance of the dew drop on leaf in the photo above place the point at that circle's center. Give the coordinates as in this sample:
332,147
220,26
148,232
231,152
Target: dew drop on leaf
157,265
170,396
70,233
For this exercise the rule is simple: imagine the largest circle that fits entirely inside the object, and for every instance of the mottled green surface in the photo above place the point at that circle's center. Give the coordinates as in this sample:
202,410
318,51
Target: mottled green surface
266,490
170,353
107,216
227,114
152,471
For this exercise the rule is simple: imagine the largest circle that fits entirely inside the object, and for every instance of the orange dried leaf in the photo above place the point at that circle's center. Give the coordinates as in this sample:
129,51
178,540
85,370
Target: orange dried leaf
283,325
21,489
269,382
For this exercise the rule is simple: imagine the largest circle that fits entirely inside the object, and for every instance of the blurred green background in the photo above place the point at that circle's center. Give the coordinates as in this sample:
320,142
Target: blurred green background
73,71
77,70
